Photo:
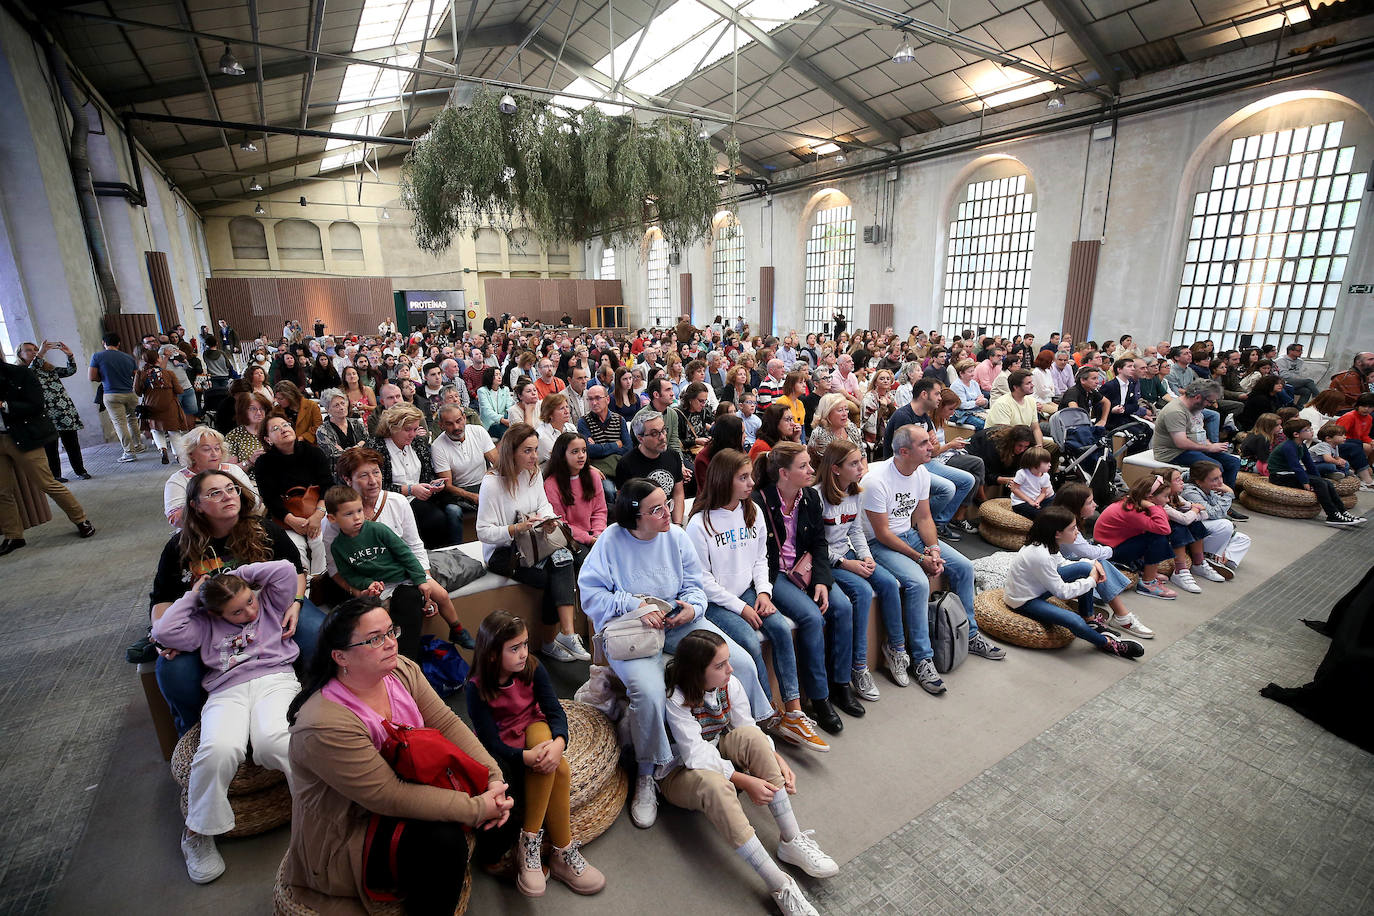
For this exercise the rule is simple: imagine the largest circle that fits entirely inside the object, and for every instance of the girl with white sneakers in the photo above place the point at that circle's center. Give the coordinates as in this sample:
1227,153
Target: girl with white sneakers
1078,499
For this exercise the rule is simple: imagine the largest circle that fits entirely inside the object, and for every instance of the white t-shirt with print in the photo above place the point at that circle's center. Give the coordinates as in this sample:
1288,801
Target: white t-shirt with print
885,489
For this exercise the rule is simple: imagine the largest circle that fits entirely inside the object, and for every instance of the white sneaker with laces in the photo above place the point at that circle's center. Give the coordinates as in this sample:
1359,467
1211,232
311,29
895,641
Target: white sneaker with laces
203,861
803,852
861,679
644,808
792,901
1183,578
897,663
1203,571
573,643
1131,625
557,651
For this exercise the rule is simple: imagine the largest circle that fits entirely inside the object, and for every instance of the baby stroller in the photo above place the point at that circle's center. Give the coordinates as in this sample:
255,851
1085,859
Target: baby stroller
1086,454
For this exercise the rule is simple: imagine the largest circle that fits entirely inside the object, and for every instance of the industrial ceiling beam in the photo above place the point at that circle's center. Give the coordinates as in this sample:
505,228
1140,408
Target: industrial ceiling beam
184,14
1067,17
216,203
942,36
784,49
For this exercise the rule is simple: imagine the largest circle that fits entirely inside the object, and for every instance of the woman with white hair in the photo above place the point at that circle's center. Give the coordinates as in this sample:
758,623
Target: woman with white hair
339,431
201,449
837,417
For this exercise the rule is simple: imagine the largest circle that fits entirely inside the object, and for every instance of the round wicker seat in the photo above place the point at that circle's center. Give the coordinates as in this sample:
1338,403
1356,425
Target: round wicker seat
1000,526
1348,489
289,900
260,798
1266,498
599,786
1005,625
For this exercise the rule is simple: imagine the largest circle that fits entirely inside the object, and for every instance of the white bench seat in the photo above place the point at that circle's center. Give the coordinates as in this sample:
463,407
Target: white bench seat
1134,467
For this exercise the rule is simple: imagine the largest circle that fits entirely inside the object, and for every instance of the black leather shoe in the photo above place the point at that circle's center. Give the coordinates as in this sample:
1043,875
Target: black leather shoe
1237,516
826,717
9,545
843,698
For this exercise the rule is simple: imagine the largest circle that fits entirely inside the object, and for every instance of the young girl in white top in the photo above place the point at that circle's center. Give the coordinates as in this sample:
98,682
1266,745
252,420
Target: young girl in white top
718,752
1031,489
1036,575
235,622
1078,499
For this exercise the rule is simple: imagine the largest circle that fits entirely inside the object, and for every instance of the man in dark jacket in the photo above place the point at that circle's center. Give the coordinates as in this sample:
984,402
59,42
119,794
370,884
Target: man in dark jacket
24,429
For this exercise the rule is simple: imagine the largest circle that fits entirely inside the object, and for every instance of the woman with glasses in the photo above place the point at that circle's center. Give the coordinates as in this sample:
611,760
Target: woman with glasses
244,441
220,532
644,554
362,819
286,474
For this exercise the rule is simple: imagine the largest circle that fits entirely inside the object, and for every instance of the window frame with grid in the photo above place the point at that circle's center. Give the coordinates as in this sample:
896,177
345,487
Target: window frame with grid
830,254
608,264
659,306
1269,237
728,295
990,251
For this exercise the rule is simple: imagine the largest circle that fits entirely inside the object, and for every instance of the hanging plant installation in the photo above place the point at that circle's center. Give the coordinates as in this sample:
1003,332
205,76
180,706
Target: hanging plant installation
569,176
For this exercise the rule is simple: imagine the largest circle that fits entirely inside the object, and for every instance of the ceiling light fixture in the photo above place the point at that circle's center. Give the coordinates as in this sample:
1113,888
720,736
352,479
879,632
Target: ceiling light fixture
905,54
255,186
839,157
248,146
1056,102
507,104
258,210
229,64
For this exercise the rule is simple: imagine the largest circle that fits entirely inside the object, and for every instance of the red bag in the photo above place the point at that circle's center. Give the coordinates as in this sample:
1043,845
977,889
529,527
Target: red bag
425,756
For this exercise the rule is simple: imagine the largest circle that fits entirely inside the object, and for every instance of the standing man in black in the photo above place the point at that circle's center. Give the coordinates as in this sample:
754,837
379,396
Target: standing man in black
840,323
228,340
319,327
489,325
24,431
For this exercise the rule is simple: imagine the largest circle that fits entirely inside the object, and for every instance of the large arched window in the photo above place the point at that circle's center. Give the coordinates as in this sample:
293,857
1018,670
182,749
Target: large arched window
1272,226
991,241
608,263
345,241
727,267
660,300
830,267
248,239
298,240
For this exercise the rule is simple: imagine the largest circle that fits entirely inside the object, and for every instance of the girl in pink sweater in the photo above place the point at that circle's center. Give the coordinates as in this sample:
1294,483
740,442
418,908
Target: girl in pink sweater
1137,530
574,489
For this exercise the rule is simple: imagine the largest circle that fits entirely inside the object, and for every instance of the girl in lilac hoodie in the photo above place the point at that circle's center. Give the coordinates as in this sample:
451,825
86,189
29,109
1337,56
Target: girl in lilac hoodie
235,622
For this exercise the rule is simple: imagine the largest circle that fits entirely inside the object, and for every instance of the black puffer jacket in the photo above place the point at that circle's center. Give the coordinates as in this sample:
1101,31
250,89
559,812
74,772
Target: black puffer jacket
810,533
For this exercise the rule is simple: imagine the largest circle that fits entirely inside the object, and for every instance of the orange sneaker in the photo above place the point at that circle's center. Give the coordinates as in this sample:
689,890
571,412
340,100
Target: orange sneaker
796,728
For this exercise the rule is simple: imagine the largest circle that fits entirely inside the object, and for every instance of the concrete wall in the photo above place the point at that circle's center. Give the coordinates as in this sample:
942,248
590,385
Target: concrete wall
47,284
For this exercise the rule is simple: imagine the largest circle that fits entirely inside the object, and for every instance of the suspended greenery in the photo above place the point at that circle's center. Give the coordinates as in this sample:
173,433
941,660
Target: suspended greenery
568,175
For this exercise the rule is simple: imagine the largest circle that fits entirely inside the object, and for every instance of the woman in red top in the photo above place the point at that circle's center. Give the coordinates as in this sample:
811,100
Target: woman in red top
1137,530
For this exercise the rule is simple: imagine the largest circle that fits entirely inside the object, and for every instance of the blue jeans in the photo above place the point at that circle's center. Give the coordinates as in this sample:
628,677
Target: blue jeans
643,680
1115,583
188,402
963,483
972,418
1042,610
1327,469
809,636
861,591
1353,452
915,586
779,635
179,678
1230,464
1211,421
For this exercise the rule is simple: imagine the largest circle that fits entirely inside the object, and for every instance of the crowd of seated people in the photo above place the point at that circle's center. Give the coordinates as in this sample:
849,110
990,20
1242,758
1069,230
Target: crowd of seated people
843,472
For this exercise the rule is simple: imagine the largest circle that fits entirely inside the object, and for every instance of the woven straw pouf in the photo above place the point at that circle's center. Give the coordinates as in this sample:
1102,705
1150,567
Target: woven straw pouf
1266,498
288,900
259,797
600,811
1348,489
599,786
1005,625
1000,526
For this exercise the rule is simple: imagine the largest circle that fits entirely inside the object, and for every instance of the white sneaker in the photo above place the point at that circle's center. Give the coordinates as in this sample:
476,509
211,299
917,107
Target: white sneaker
861,679
1183,578
803,852
644,808
1203,571
125,458
573,644
1131,625
897,663
792,901
203,861
557,651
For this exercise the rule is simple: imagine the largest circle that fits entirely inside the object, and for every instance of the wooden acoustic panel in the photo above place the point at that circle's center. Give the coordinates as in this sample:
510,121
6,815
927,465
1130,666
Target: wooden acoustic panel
164,293
1078,297
766,278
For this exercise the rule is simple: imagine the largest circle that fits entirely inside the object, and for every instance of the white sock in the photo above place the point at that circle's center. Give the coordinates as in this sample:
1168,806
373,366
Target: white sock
781,807
754,853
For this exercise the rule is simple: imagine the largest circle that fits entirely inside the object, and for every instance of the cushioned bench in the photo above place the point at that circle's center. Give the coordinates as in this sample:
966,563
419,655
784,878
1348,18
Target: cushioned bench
1134,467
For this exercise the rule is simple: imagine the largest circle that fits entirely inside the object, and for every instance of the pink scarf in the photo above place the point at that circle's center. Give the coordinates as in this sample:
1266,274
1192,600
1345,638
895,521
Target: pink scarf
404,711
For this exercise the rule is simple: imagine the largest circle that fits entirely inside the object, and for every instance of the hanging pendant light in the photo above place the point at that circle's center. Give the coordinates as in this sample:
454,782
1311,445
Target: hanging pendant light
229,64
905,53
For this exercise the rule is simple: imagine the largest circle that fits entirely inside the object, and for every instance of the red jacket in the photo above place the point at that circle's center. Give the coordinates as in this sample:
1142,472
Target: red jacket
1349,383
1355,425
1117,523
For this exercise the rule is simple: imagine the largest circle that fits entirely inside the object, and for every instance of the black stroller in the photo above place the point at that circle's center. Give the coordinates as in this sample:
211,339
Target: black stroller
1086,454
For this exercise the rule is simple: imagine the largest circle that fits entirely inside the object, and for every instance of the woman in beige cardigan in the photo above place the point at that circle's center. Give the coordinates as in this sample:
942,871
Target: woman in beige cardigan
359,680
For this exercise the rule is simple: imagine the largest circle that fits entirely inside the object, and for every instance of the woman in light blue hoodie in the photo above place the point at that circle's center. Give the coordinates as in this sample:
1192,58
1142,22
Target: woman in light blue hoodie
645,554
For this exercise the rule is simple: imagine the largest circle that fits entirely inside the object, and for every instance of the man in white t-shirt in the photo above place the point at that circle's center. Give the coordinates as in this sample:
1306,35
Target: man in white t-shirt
461,454
901,534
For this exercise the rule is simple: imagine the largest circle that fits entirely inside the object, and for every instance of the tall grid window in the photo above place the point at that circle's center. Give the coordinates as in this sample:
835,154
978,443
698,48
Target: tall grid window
727,266
988,268
1269,239
608,263
660,302
830,268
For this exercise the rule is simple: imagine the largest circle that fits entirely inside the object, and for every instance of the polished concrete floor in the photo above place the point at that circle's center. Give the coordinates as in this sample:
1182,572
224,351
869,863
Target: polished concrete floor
1057,782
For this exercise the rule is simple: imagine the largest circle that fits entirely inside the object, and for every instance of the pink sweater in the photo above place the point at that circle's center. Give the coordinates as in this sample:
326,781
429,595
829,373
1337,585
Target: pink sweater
586,517
1118,523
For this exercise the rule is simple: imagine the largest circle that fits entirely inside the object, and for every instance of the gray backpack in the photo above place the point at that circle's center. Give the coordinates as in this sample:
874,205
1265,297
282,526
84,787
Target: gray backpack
948,631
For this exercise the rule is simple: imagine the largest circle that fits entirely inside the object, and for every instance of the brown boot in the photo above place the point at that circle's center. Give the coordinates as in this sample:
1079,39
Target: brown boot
568,865
530,875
